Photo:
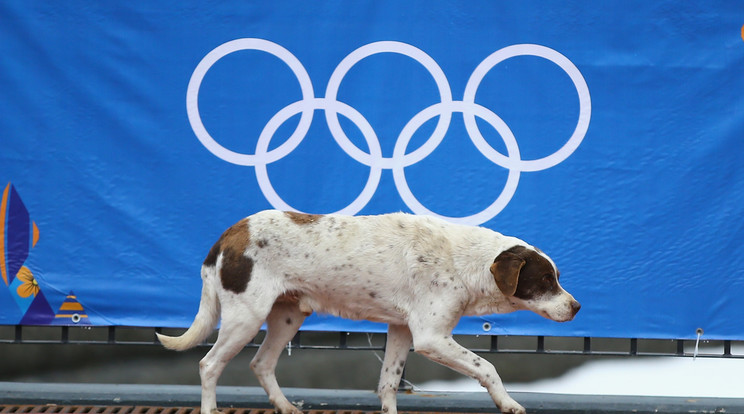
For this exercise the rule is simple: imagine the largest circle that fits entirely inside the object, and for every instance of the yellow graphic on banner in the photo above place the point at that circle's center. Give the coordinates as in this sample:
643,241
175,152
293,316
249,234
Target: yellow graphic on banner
29,286
3,203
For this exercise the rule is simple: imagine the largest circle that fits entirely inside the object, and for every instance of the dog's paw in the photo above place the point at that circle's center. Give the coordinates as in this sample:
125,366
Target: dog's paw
293,410
287,409
513,409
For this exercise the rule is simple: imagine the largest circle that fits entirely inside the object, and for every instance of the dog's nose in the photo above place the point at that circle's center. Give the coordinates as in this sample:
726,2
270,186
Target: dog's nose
575,306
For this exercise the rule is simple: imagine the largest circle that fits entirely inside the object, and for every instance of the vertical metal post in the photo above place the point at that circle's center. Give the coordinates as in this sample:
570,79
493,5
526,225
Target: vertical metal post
65,335
155,336
342,340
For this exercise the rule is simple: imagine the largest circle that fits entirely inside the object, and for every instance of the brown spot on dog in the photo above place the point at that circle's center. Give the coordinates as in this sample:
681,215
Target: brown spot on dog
262,243
236,266
236,269
536,275
211,258
505,270
302,218
235,234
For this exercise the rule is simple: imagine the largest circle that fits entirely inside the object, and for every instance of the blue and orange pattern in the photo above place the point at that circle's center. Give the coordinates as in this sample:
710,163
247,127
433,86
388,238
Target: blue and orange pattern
18,235
71,312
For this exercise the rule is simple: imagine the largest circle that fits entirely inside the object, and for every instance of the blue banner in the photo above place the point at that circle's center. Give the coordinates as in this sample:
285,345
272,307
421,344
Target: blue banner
609,135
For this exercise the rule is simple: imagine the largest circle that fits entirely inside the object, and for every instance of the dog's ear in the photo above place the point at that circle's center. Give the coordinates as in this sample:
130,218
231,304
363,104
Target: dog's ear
505,270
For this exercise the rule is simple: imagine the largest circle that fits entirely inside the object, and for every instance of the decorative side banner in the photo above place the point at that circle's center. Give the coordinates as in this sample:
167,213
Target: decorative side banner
18,235
609,135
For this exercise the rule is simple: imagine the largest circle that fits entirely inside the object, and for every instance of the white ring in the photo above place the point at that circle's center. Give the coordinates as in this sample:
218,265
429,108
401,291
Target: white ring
192,96
466,108
445,95
352,114
581,88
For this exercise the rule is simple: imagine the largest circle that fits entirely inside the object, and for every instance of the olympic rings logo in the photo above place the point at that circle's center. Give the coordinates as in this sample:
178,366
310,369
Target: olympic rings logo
444,109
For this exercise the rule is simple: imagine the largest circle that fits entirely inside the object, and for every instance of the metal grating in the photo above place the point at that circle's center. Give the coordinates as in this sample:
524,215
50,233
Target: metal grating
87,409
94,409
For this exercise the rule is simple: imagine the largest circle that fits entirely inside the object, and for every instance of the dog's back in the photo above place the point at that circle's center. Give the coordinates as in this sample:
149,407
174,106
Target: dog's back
366,267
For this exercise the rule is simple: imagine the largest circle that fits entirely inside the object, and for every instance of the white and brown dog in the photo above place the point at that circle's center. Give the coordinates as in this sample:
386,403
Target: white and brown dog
417,274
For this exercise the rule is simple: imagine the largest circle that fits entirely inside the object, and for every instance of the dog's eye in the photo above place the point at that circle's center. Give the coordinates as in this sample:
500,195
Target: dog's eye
547,278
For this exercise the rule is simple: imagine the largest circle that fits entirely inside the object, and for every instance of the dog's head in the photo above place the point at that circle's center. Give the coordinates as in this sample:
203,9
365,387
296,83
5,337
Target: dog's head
529,279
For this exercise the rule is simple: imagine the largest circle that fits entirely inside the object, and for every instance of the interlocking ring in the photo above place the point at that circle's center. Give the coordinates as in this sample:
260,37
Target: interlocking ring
444,109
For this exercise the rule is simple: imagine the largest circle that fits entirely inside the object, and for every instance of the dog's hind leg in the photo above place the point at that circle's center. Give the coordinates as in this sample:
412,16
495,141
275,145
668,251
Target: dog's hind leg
240,324
396,352
282,324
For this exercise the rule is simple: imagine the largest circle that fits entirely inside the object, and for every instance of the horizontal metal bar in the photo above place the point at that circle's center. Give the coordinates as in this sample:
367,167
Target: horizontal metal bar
587,346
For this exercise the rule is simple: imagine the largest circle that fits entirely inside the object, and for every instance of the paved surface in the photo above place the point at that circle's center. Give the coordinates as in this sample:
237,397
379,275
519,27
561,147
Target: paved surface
147,398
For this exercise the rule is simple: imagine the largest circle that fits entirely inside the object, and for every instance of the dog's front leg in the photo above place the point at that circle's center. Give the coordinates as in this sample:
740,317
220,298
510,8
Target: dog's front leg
440,347
396,352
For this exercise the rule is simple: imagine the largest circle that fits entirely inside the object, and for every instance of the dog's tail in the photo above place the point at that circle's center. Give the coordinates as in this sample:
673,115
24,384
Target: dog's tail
204,323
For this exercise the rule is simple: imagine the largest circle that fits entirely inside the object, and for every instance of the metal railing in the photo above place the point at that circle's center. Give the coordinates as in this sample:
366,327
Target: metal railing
614,347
